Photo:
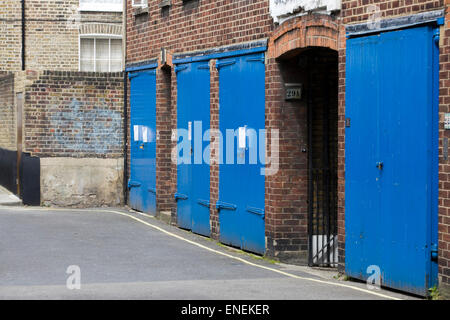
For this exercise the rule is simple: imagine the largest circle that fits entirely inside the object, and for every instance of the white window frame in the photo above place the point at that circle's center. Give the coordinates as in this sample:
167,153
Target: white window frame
139,5
101,7
95,37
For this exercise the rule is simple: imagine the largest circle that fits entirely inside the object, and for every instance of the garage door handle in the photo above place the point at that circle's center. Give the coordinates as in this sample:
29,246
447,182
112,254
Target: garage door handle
225,206
179,196
152,190
204,203
133,184
380,165
257,211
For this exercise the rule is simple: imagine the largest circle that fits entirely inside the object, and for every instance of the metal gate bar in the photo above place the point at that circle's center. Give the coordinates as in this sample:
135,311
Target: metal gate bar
322,190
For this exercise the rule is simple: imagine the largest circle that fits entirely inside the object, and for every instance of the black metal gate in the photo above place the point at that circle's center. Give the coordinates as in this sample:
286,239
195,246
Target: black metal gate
322,124
322,218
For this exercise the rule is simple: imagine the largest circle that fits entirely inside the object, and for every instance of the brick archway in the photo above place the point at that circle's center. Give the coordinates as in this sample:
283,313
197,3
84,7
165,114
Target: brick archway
306,31
312,38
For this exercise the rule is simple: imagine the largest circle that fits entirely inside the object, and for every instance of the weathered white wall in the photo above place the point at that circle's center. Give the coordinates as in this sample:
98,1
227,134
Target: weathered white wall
73,182
280,8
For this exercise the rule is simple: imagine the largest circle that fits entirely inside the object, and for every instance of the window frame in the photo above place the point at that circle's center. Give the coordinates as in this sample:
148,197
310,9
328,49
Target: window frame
95,36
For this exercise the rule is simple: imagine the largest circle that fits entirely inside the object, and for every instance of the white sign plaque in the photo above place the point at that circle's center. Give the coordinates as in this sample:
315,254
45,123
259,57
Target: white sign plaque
279,9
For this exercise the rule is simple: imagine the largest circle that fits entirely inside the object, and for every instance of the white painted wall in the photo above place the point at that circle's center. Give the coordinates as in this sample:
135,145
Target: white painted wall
281,8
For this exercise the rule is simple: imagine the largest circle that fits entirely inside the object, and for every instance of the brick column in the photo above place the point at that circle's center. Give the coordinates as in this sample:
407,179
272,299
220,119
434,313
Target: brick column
163,144
214,168
341,151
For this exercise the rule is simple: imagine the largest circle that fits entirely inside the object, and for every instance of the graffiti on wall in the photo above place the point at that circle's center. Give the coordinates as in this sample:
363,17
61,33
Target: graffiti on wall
94,130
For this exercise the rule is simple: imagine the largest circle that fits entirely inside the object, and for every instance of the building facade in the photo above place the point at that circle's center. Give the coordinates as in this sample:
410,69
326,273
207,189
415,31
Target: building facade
244,118
62,101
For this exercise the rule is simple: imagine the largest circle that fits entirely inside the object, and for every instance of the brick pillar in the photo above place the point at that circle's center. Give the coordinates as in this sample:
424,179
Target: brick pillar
214,168
341,150
163,143
173,144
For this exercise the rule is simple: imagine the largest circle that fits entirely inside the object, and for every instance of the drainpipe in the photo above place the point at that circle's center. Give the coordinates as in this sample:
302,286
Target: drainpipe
23,35
125,104
125,135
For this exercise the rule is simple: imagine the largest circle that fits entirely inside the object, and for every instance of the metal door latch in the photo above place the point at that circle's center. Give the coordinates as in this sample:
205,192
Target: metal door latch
380,165
434,252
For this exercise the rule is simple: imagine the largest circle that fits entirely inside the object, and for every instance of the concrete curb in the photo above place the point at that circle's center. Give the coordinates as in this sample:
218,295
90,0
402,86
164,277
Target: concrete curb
8,199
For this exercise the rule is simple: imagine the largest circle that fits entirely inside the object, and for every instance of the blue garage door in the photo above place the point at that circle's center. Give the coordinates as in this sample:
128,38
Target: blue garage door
241,182
193,113
142,183
391,158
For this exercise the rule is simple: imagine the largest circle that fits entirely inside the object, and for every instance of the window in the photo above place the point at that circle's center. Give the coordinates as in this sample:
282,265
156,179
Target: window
140,3
100,54
101,5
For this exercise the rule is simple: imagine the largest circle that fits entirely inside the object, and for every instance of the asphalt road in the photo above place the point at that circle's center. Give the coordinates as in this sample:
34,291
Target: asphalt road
124,255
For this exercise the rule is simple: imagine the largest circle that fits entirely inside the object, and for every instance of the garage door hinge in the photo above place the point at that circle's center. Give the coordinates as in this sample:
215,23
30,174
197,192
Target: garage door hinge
179,196
258,59
180,68
434,251
221,64
133,184
225,206
436,36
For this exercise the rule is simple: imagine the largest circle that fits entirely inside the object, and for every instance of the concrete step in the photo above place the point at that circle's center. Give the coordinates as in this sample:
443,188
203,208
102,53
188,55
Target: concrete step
8,199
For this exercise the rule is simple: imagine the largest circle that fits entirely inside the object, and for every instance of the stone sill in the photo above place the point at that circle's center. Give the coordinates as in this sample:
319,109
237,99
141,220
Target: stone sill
140,11
165,3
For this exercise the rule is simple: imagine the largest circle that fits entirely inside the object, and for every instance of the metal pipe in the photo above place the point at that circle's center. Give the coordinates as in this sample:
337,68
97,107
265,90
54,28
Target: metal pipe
125,131
23,35
125,106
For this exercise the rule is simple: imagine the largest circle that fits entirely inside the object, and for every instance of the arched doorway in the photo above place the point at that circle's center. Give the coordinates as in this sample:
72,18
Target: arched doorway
303,57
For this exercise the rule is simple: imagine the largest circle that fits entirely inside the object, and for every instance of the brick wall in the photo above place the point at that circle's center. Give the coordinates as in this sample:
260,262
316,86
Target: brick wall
444,166
354,11
74,114
52,33
7,112
194,25
10,33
